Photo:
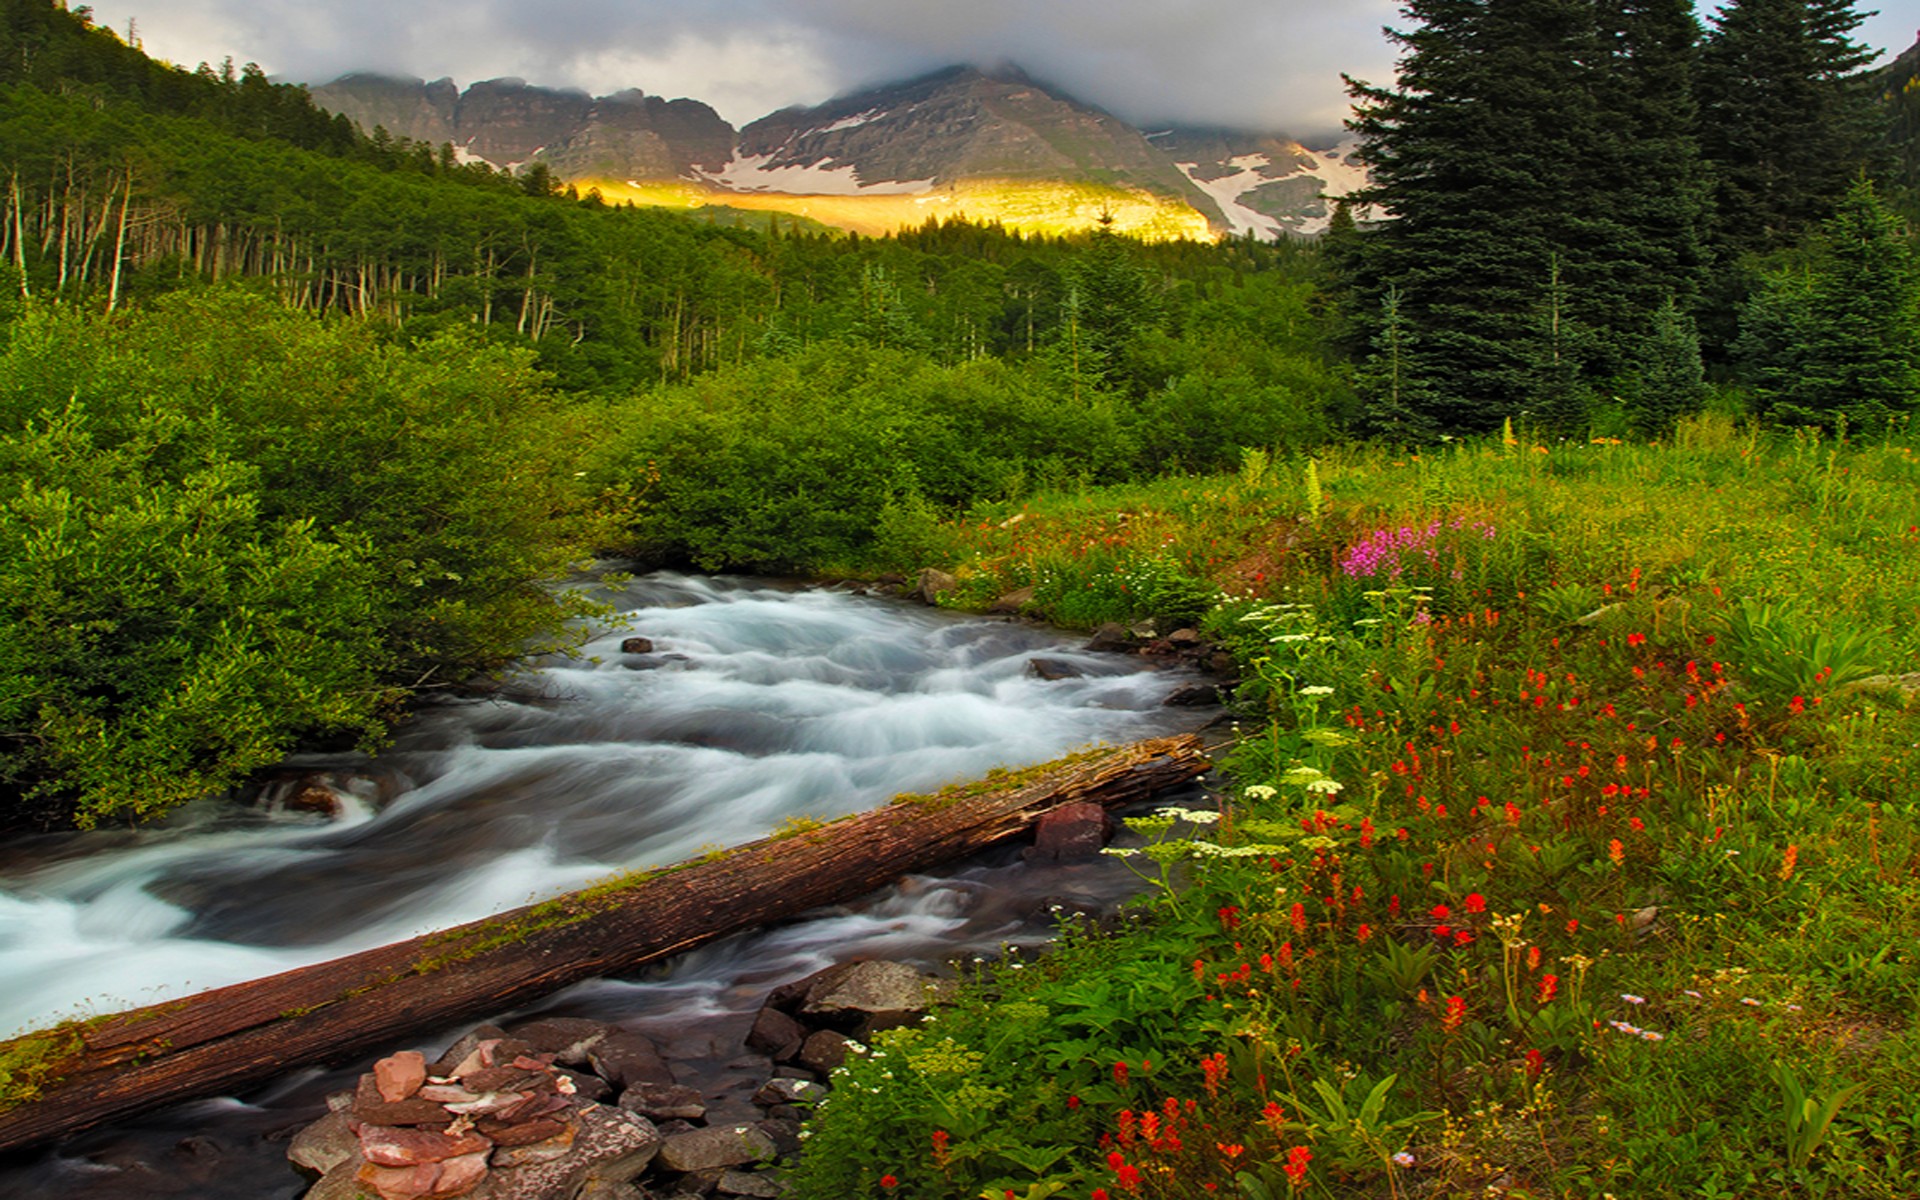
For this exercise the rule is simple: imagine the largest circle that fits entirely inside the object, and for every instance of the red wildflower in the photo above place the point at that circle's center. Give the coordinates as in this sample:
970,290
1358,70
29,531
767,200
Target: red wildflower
889,1182
1549,986
1476,903
1296,1164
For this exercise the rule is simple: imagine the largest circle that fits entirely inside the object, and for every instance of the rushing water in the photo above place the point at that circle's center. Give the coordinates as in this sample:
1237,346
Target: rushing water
758,704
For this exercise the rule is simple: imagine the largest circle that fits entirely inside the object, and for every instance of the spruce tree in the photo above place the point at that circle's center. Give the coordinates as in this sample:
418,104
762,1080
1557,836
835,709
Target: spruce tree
1786,117
1839,337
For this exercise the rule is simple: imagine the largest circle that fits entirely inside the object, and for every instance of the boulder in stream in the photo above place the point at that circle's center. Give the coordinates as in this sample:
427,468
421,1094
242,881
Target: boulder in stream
1070,833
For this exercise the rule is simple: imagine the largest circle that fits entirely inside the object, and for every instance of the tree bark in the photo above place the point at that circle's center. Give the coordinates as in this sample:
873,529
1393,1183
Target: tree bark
215,1042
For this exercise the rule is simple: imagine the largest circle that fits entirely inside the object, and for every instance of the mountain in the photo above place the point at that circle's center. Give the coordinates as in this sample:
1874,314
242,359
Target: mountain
1900,92
991,145
509,123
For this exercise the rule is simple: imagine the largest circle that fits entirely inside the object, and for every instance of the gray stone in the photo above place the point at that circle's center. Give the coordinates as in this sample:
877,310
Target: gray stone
1111,637
587,1085
624,1058
324,1145
1051,669
824,1051
458,1052
719,1146
601,1190
342,1182
785,1135
1070,833
776,1034
751,1183
1012,602
568,1039
610,1147
697,1183
1184,637
865,991
637,645
789,1091
664,1101
933,584
1197,695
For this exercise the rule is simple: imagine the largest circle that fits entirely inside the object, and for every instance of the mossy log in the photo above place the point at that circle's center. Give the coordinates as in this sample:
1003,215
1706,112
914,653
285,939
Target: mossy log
85,1073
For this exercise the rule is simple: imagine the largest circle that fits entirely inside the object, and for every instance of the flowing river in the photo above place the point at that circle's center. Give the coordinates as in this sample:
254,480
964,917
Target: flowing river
758,704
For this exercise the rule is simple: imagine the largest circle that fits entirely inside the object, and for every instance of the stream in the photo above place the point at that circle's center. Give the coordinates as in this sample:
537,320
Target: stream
760,703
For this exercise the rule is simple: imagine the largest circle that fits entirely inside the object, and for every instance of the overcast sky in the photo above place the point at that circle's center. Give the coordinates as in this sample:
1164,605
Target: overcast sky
1262,64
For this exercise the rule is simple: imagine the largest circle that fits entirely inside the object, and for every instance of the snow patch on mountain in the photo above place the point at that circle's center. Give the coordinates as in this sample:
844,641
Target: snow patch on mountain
1227,191
756,173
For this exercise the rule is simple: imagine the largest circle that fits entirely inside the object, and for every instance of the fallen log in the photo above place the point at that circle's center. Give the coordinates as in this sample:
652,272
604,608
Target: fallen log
82,1073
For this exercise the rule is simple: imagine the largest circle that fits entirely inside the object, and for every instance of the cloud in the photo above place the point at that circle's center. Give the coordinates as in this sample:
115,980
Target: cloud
1266,64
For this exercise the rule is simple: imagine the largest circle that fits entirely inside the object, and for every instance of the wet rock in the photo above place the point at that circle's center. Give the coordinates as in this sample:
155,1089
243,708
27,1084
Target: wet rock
600,1190
1198,695
664,1102
1184,638
933,584
416,1112
427,1181
720,1146
315,799
784,1133
586,1084
793,1072
870,995
324,1145
568,1039
460,1050
697,1183
776,1034
789,1091
400,1075
527,1133
788,996
545,1150
750,1183
1052,669
625,1058
1110,638
1012,603
637,645
386,1146
823,1051
1070,833
610,1147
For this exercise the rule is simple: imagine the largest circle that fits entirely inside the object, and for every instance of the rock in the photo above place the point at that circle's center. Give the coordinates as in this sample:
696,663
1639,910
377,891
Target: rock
586,1084
1220,662
568,1039
1111,637
785,1133
386,1146
788,996
823,1051
933,584
428,1181
610,1147
324,1145
793,1072
406,1112
1198,695
868,995
1012,602
400,1075
697,1183
1051,669
776,1034
789,1091
624,1058
637,645
458,1052
664,1102
750,1183
721,1146
1185,638
315,799
600,1190
528,1132
544,1150
1070,833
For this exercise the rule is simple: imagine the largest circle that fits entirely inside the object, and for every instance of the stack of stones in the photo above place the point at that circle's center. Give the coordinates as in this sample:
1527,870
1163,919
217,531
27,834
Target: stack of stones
572,1109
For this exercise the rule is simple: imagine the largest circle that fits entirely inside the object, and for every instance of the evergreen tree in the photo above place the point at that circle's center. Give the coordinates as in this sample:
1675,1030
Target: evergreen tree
1786,116
1840,337
1671,381
1395,404
1537,161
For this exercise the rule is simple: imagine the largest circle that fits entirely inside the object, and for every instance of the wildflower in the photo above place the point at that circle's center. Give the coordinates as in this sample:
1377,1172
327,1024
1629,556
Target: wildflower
940,1140
1260,791
1630,998
1316,690
1476,903
1788,863
1296,1164
1441,912
1403,1160
1616,852
1275,1117
1363,933
1536,1062
1299,918
889,1182
1549,986
1456,1014
1073,1102
1120,1073
1533,958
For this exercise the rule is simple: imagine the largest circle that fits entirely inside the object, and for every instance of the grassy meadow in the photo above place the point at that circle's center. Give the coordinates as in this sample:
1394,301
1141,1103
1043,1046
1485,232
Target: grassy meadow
1567,846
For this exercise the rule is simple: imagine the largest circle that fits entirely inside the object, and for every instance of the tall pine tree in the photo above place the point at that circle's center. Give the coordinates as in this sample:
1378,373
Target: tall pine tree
1538,163
1787,118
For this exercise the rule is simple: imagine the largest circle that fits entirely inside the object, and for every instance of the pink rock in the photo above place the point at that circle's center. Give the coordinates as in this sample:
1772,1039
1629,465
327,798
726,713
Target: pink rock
388,1147
401,1183
458,1176
399,1076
